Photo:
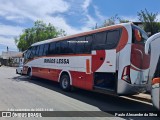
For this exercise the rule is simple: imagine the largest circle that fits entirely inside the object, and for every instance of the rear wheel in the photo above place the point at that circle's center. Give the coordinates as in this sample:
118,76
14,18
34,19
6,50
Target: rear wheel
65,83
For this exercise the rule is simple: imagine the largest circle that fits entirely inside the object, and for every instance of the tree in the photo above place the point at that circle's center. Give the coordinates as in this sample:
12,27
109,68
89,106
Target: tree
149,21
123,20
39,32
111,21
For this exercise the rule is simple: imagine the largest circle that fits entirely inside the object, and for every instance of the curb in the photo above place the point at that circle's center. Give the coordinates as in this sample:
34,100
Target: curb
142,97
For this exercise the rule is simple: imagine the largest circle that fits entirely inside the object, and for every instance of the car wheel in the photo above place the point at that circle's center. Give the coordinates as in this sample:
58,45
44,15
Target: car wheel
29,73
65,83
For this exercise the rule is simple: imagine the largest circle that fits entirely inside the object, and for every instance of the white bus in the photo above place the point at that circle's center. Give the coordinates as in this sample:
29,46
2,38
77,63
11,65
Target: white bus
110,60
152,47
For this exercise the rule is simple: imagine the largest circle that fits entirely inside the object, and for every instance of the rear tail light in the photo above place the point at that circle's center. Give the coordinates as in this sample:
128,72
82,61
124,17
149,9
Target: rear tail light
155,81
126,74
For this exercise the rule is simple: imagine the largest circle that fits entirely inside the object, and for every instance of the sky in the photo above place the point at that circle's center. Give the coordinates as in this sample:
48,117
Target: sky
73,16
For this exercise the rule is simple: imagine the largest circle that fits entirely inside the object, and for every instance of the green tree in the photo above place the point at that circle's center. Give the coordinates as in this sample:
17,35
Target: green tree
111,21
149,21
39,32
123,20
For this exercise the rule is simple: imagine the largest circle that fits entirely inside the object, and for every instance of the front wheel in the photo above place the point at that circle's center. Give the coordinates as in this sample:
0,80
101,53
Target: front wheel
65,83
29,74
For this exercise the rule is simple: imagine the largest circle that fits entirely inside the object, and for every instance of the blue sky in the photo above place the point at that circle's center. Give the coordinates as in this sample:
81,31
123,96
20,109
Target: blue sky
73,16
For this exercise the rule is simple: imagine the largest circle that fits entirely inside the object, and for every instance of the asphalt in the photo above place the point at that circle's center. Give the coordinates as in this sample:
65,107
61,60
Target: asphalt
17,92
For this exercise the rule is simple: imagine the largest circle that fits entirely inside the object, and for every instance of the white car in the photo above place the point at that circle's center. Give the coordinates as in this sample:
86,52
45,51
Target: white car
19,69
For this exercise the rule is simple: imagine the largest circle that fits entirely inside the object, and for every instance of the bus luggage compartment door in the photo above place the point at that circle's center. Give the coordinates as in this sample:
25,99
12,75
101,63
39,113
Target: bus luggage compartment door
104,69
104,61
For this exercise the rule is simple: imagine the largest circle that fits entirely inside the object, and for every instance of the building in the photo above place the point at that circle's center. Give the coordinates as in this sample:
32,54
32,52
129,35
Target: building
11,58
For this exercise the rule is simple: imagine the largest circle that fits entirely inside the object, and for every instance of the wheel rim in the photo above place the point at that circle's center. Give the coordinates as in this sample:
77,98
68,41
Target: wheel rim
64,83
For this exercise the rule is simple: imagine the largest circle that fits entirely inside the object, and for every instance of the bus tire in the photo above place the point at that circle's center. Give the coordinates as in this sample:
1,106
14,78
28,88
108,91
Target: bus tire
29,74
65,82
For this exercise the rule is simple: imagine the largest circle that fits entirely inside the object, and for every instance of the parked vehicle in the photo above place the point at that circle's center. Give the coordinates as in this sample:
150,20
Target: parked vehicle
110,60
19,69
152,47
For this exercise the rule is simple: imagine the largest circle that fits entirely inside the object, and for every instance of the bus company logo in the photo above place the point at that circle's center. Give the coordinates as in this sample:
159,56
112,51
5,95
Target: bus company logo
57,61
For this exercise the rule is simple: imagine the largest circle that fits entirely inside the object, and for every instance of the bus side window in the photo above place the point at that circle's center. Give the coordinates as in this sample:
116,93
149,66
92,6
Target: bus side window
33,50
37,51
88,44
72,46
52,48
41,50
64,47
58,48
112,39
80,44
45,52
99,40
28,54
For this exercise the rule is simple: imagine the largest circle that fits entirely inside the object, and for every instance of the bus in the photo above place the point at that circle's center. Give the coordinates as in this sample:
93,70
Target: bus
152,47
109,60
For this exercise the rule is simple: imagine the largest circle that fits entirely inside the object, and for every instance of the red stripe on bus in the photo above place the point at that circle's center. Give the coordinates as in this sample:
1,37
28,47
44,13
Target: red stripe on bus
123,40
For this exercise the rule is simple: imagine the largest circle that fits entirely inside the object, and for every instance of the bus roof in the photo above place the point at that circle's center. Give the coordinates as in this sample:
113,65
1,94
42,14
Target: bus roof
80,34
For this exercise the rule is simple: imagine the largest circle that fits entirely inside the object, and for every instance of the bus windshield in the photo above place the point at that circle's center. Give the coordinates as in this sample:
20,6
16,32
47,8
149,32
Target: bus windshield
139,35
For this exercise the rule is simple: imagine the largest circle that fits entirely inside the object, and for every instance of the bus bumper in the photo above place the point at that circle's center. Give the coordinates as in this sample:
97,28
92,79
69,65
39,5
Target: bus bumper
125,88
155,93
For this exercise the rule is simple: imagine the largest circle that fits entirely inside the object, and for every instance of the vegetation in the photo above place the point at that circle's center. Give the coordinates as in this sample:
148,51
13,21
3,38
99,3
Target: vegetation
39,32
149,21
112,21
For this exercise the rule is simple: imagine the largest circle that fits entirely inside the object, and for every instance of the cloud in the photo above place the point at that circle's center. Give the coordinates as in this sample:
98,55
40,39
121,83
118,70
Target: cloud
41,10
158,17
88,20
9,30
7,34
98,14
8,41
130,18
16,14
32,9
86,4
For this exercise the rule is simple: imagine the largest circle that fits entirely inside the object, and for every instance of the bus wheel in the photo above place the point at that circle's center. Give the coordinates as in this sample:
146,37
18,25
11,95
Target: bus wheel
29,73
65,83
